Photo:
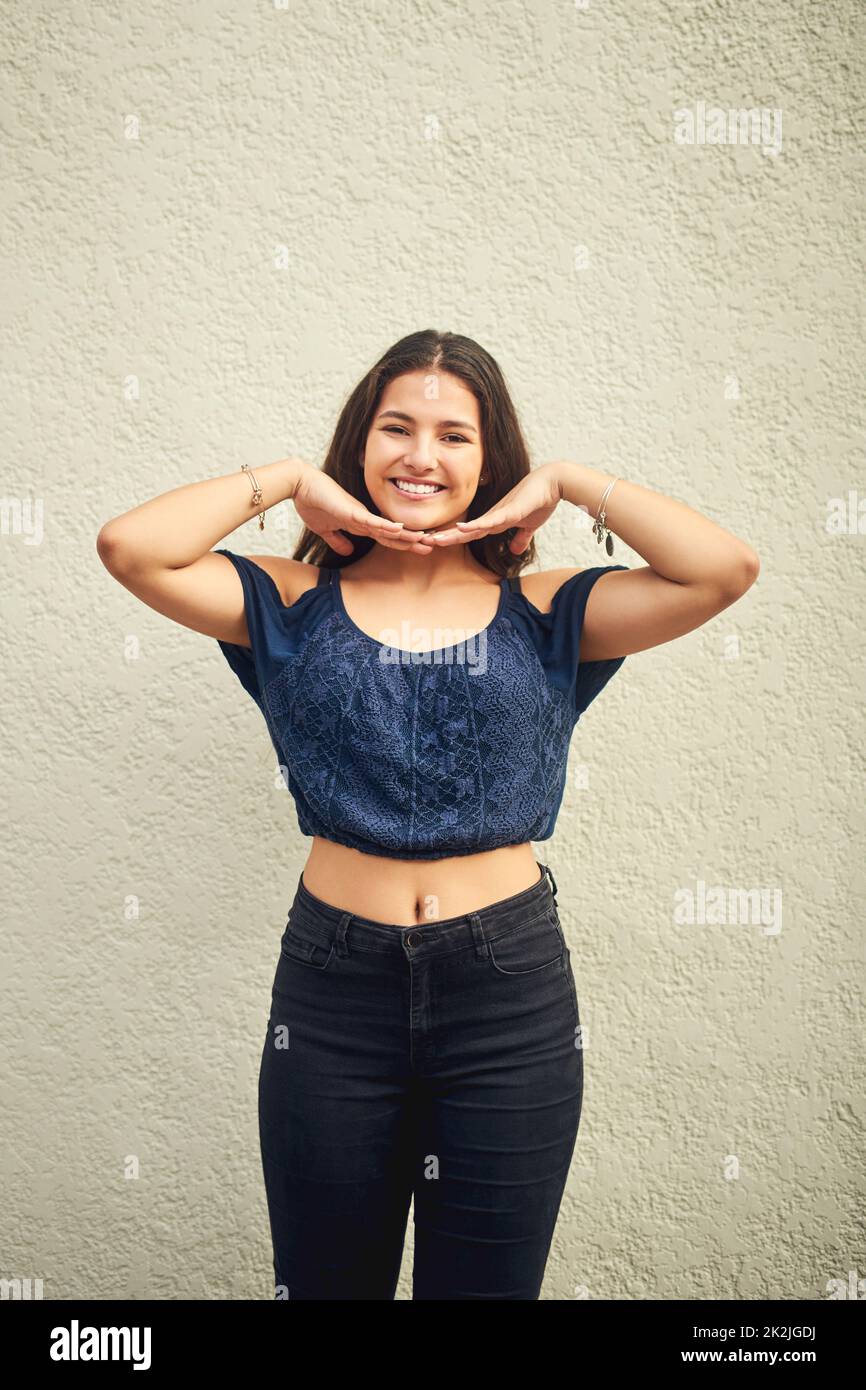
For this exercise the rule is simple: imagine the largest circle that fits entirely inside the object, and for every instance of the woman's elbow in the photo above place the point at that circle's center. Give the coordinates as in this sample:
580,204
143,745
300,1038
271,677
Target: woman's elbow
742,575
112,550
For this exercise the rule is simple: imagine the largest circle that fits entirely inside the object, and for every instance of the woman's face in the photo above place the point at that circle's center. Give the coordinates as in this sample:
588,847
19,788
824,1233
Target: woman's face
426,431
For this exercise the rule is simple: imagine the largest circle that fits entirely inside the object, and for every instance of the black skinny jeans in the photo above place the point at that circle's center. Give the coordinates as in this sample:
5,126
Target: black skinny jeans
442,1060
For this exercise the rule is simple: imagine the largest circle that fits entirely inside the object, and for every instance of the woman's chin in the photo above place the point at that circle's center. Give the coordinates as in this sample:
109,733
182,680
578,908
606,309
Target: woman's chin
412,518
429,525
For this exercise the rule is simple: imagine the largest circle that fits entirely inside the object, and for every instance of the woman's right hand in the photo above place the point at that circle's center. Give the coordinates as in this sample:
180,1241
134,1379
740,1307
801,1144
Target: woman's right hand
326,508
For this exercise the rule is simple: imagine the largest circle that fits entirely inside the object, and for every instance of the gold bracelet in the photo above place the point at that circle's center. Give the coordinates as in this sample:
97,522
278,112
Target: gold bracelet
257,494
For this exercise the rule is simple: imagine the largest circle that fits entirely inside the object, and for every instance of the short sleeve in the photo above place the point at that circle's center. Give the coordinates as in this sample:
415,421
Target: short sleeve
262,608
584,679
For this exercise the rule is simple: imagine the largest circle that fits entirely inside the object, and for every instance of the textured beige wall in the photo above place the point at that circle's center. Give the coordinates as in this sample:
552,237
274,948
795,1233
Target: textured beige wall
689,316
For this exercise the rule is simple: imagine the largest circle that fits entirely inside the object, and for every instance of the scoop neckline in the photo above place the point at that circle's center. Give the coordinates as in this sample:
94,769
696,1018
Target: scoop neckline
404,651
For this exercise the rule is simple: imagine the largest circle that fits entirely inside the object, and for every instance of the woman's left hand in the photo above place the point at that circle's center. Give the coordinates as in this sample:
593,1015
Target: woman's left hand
527,506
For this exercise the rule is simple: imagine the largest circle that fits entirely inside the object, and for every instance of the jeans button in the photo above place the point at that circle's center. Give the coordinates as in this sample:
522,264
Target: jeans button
413,939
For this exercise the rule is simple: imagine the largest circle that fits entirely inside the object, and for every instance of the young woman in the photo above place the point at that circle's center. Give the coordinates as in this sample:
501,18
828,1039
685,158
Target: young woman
424,1036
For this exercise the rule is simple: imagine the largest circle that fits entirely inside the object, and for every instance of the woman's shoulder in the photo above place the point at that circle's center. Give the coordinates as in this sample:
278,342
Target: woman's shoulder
541,587
291,578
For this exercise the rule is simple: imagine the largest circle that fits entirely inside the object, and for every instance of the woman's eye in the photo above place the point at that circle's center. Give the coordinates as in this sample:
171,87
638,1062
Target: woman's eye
459,437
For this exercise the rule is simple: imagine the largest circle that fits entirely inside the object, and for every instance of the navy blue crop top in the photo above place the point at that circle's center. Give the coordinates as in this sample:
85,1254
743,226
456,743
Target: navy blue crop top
419,755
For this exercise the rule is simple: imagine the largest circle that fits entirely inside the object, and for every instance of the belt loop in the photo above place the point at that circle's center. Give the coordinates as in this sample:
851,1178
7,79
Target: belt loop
481,947
340,935
549,873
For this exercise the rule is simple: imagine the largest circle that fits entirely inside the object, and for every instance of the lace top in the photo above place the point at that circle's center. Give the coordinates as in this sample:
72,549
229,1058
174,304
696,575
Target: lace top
419,755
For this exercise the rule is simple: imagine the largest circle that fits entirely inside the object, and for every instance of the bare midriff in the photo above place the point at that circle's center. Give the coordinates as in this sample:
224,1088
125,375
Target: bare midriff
410,892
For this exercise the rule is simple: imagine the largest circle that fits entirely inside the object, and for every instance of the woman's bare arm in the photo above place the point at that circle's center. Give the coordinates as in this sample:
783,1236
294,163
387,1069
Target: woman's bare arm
695,568
162,550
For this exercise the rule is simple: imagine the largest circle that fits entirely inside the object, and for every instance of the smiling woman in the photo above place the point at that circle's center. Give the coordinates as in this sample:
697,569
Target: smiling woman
423,940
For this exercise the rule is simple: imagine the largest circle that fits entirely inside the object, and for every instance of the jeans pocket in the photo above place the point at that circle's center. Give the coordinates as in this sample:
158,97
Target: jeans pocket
304,949
532,946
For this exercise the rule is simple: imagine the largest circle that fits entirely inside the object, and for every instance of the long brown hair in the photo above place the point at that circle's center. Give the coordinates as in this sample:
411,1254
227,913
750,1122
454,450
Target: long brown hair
506,458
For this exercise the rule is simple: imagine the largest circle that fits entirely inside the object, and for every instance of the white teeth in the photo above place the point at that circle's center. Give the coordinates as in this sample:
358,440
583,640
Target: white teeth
426,488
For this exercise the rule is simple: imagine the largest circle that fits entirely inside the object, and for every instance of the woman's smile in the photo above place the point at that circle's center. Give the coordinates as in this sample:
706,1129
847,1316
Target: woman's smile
416,491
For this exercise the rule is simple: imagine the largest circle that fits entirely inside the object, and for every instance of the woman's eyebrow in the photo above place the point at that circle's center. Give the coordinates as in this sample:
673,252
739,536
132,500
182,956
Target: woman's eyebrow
443,424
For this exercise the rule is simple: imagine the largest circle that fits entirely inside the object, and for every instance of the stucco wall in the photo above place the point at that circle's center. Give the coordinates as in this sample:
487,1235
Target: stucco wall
686,315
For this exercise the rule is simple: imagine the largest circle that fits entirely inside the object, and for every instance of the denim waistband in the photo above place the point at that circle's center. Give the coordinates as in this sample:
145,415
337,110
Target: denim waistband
448,934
